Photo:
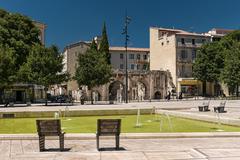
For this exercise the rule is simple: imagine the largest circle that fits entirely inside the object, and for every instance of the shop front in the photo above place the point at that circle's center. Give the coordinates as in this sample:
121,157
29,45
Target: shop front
189,87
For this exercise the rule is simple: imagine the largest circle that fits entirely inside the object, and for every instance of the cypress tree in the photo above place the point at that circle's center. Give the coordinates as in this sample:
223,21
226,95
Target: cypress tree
104,45
93,45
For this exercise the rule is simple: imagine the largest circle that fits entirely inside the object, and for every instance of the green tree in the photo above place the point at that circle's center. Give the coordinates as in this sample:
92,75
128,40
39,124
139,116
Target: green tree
44,67
7,66
231,72
93,45
208,64
93,70
19,33
104,45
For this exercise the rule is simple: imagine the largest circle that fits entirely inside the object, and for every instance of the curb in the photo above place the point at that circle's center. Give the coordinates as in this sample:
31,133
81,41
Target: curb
92,136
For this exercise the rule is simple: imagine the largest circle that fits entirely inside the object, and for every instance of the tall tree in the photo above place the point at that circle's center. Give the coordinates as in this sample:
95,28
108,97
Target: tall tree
19,33
7,66
93,45
93,70
104,45
208,64
231,72
44,67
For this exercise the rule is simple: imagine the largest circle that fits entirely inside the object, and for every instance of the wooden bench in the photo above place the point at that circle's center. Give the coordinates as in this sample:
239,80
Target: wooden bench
49,128
220,108
204,107
108,127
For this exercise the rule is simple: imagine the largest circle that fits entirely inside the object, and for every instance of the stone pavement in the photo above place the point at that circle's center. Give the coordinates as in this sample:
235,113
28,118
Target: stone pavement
205,148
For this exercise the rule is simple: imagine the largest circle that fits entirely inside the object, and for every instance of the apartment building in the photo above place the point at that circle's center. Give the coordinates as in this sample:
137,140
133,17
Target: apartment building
175,50
138,58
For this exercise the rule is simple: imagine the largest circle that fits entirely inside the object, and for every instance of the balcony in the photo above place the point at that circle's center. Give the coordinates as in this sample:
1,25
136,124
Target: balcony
189,45
185,75
184,60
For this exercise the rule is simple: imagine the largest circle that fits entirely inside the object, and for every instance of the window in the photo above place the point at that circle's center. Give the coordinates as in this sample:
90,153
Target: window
121,66
182,40
121,56
132,66
138,66
193,41
138,56
145,67
183,54
162,43
145,57
203,40
194,54
76,54
131,56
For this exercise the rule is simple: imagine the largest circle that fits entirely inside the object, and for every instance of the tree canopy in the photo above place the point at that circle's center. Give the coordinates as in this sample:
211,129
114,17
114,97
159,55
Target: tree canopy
104,45
220,61
7,66
93,69
44,67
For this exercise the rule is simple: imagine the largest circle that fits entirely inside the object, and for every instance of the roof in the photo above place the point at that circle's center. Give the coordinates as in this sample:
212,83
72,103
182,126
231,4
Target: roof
180,32
77,44
170,30
129,49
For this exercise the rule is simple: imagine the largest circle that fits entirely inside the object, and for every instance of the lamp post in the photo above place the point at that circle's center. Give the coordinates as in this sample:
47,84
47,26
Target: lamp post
125,32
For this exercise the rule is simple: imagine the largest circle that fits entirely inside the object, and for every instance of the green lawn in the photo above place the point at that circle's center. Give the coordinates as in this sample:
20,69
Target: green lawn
88,125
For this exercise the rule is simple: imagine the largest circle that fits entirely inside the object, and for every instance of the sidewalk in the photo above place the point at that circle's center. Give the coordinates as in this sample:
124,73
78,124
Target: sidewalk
205,148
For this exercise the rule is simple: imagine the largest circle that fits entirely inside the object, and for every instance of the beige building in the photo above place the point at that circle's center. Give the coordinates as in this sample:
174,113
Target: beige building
143,85
175,50
138,58
42,27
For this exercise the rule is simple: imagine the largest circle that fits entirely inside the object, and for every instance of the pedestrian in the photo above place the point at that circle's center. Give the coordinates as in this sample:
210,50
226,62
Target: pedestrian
180,95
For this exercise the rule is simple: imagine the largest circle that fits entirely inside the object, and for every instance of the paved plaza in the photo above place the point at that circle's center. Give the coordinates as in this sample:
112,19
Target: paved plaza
162,146
218,148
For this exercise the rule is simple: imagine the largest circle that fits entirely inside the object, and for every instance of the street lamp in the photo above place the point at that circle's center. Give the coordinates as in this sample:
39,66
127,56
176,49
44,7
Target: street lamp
125,32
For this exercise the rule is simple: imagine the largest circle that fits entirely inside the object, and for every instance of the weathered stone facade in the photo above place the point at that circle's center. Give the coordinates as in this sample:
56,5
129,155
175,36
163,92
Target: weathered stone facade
142,84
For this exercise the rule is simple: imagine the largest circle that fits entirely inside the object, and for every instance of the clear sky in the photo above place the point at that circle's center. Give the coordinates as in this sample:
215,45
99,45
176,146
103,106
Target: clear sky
70,21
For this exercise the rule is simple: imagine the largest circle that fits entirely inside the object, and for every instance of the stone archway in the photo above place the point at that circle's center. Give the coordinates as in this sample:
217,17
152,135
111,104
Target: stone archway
139,91
116,91
96,96
157,95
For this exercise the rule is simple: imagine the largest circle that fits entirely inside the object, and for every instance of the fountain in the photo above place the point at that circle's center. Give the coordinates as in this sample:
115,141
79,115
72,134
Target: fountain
153,111
66,113
169,121
219,125
161,120
56,115
138,123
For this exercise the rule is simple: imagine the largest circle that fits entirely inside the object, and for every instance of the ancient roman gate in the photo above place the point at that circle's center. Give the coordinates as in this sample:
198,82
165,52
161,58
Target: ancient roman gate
141,86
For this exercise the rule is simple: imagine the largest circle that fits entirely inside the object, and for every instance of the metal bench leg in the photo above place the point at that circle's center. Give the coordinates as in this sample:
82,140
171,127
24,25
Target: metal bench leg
41,143
97,142
61,142
117,142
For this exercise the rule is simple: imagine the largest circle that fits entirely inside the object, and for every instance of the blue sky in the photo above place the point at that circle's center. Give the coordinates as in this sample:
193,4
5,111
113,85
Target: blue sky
70,21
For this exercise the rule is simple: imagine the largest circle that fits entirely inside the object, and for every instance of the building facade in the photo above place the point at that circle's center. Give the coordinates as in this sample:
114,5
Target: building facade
175,50
143,84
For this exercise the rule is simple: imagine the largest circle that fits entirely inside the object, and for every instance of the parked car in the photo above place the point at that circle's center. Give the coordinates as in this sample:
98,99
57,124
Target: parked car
60,99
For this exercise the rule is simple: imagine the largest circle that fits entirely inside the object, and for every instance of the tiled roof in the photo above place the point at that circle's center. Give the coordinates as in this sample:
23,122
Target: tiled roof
129,49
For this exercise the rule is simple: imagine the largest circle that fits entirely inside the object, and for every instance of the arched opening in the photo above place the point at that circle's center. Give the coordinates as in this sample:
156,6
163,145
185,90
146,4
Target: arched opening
96,96
139,91
116,91
157,95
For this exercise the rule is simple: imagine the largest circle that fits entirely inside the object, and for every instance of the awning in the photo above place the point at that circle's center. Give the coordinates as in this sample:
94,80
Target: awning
190,82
